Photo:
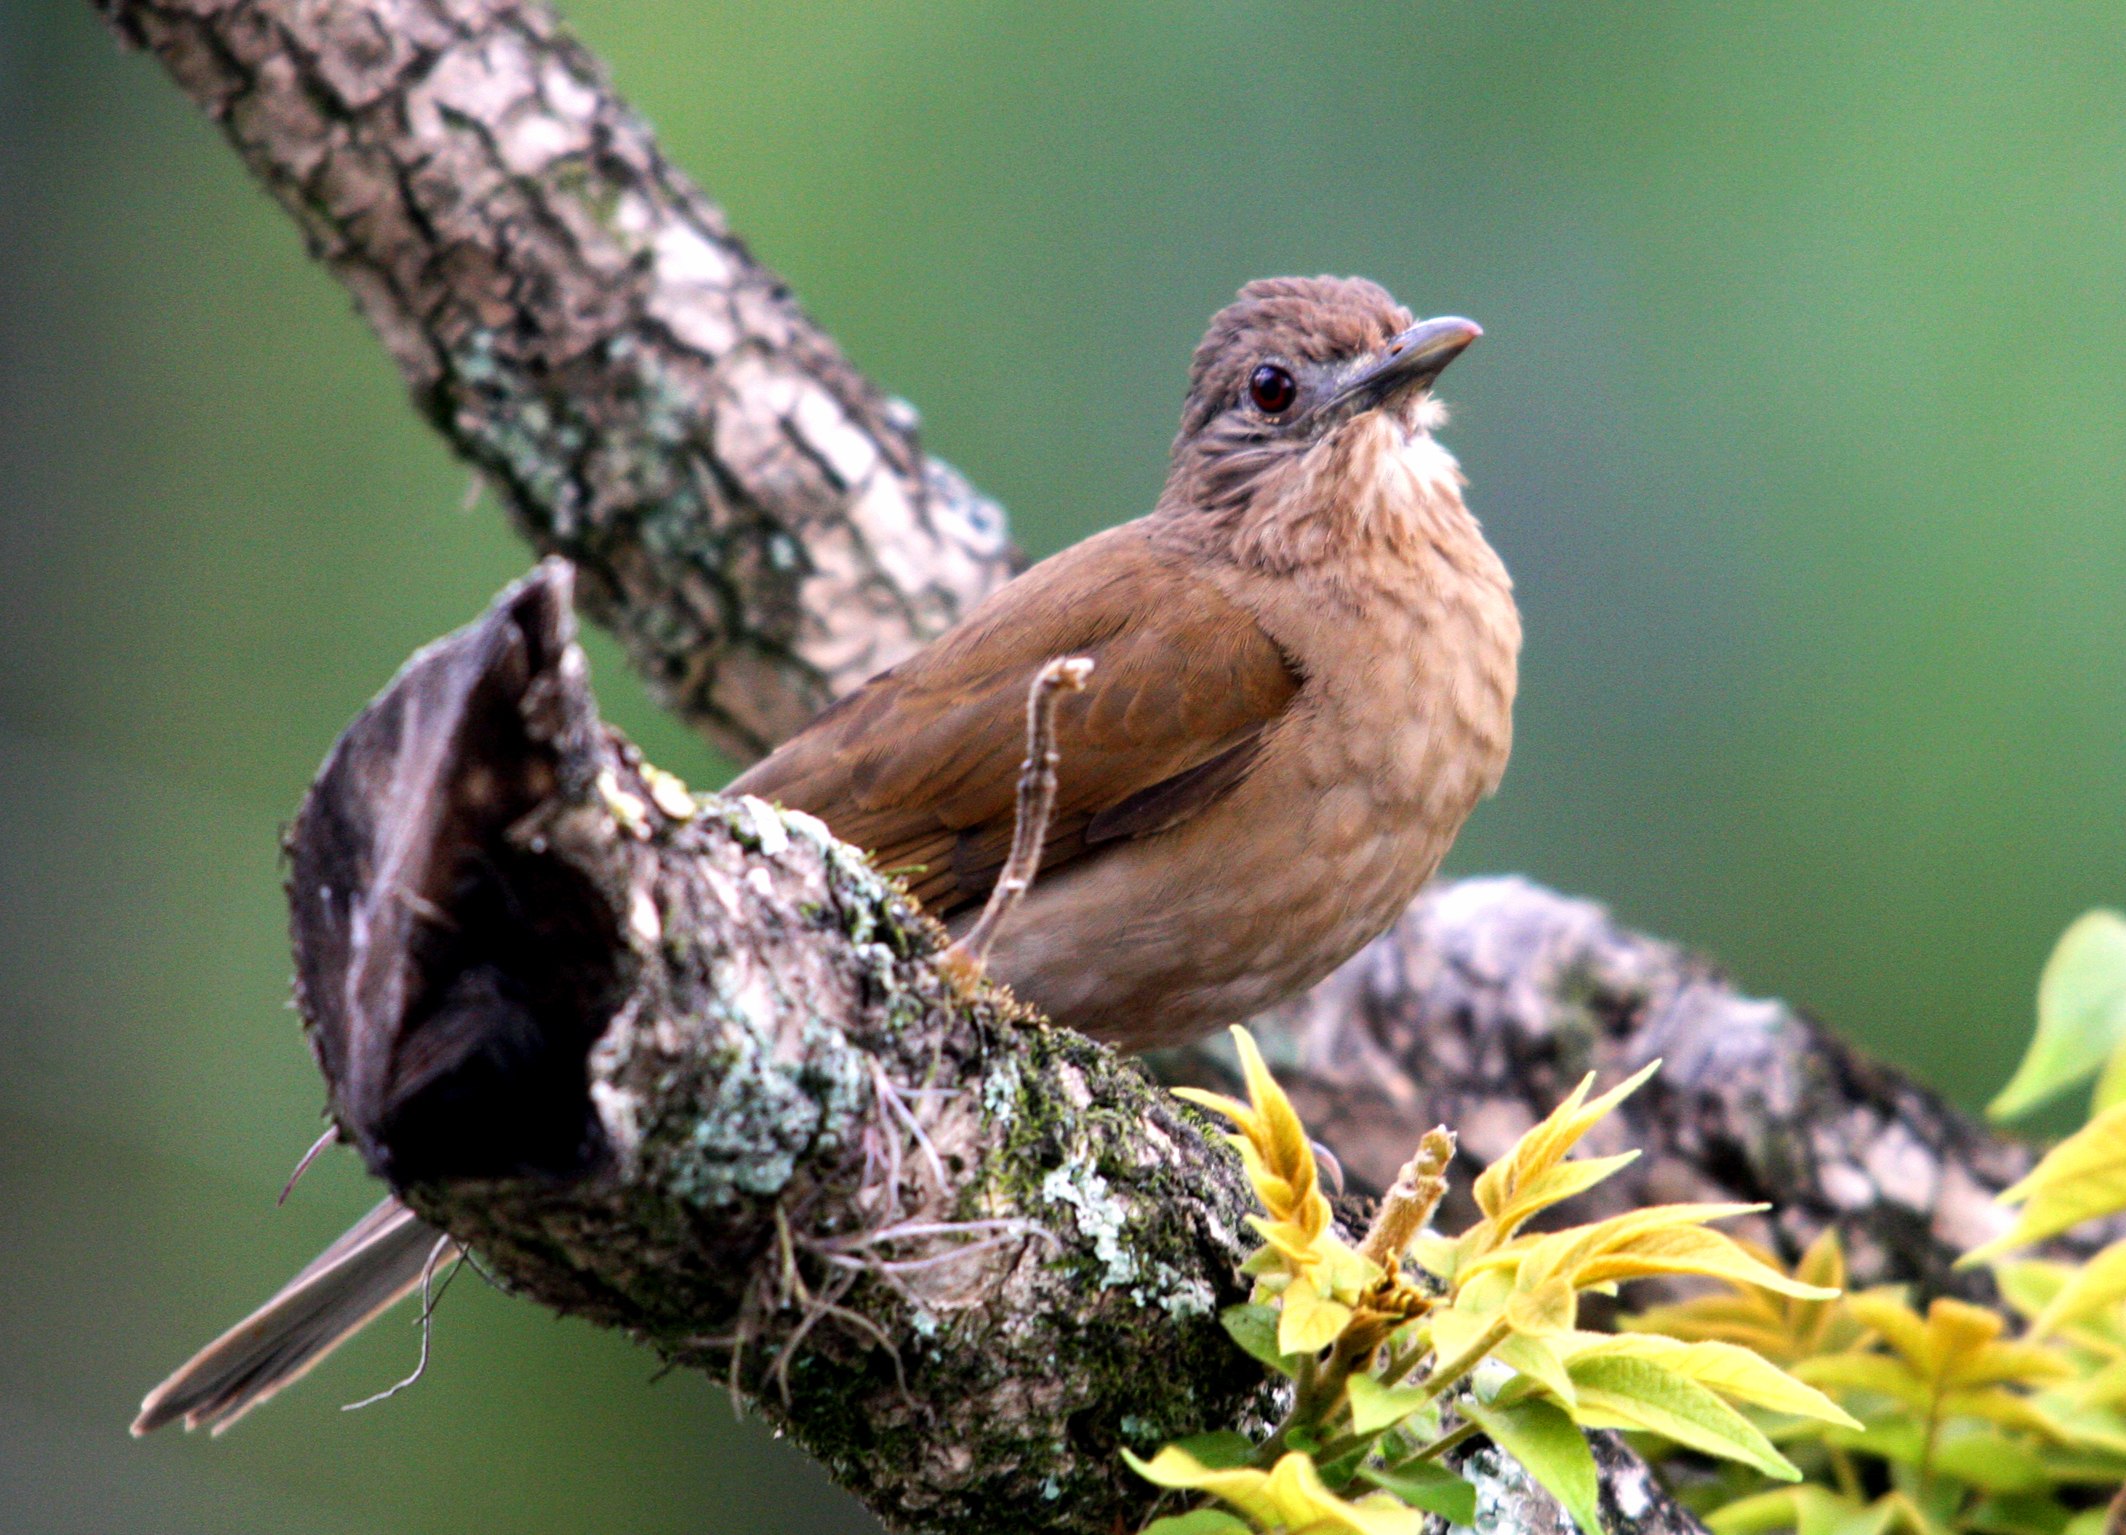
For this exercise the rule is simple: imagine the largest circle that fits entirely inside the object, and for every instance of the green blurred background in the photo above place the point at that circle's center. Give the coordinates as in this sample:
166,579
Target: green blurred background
1799,421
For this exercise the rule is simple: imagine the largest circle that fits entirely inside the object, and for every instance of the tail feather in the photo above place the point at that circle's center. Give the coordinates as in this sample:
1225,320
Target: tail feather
380,1259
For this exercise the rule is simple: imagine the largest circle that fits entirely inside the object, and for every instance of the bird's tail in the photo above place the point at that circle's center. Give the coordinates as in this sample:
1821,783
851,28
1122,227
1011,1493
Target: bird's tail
382,1257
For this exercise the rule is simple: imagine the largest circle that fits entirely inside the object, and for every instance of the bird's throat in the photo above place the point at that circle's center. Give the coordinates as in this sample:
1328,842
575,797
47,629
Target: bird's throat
1380,487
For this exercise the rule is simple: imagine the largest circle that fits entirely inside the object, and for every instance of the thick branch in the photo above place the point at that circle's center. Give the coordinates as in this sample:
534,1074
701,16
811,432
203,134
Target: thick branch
962,1256
751,516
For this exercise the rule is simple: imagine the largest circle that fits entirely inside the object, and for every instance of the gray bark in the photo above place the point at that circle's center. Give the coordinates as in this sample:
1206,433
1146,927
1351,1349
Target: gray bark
762,531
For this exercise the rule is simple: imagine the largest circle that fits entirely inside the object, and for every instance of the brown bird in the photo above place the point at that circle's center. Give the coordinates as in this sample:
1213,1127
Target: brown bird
1305,661
1303,684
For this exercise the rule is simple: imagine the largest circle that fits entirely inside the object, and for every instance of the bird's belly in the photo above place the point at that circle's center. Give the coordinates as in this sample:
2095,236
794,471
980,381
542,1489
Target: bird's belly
1262,895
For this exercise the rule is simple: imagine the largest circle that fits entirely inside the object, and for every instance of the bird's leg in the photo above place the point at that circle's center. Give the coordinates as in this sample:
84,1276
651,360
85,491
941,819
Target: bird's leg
1037,802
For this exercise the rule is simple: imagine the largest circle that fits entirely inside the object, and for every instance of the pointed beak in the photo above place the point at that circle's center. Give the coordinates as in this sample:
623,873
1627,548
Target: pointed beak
1411,361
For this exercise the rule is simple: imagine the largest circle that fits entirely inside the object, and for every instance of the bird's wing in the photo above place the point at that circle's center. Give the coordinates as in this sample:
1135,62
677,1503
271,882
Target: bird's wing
920,765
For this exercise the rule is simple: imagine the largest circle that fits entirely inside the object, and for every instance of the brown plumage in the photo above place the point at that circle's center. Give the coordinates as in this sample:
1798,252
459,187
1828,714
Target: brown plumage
1305,662
1304,679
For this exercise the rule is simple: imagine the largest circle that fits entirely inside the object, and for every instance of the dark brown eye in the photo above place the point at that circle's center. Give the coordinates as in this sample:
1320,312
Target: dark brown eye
1272,389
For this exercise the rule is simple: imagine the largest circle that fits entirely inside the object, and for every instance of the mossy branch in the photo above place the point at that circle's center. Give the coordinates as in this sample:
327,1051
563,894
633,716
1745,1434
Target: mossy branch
964,1257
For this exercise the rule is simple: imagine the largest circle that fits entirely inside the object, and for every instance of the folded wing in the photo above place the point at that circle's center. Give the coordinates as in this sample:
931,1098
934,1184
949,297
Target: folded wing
919,766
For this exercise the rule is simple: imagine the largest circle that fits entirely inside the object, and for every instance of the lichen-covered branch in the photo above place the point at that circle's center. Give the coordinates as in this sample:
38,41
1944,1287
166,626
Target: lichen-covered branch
751,516
962,1256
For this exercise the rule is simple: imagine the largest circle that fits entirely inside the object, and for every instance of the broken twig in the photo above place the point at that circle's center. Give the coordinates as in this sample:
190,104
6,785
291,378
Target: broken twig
1037,802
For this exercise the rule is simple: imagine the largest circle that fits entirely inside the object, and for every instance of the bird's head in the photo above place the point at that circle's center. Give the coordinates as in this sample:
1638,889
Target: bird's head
1303,383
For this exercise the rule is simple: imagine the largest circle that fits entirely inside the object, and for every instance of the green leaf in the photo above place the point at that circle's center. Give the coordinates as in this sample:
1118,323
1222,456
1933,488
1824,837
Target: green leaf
1621,1392
1376,1406
2018,1515
1221,1449
1433,1488
1254,1328
1549,1448
1198,1521
2081,1013
1990,1461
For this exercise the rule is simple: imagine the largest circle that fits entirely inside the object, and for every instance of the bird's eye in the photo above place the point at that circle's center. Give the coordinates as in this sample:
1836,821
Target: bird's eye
1272,389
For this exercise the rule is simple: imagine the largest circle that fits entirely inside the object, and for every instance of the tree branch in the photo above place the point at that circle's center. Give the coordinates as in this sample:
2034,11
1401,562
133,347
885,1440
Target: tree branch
961,1255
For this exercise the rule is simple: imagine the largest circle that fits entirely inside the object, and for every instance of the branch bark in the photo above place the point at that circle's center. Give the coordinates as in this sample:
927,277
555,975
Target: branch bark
760,527
961,1255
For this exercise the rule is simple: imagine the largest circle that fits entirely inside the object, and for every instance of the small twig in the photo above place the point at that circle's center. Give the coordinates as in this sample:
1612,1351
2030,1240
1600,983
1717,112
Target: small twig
1037,803
331,1135
428,1311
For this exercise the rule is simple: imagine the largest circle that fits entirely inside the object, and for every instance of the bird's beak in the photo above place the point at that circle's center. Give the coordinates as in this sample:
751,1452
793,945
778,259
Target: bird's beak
1411,361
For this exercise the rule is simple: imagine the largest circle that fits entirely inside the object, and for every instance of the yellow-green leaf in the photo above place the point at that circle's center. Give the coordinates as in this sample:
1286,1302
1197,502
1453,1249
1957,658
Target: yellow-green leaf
1681,1250
1341,1269
1638,1393
2082,1177
1550,1449
2110,1084
1879,1373
1374,1406
1500,1185
1734,1373
1989,1460
2081,1013
2029,1284
1290,1495
2096,1284
1538,1359
1554,1186
1549,1307
1309,1321
1806,1510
